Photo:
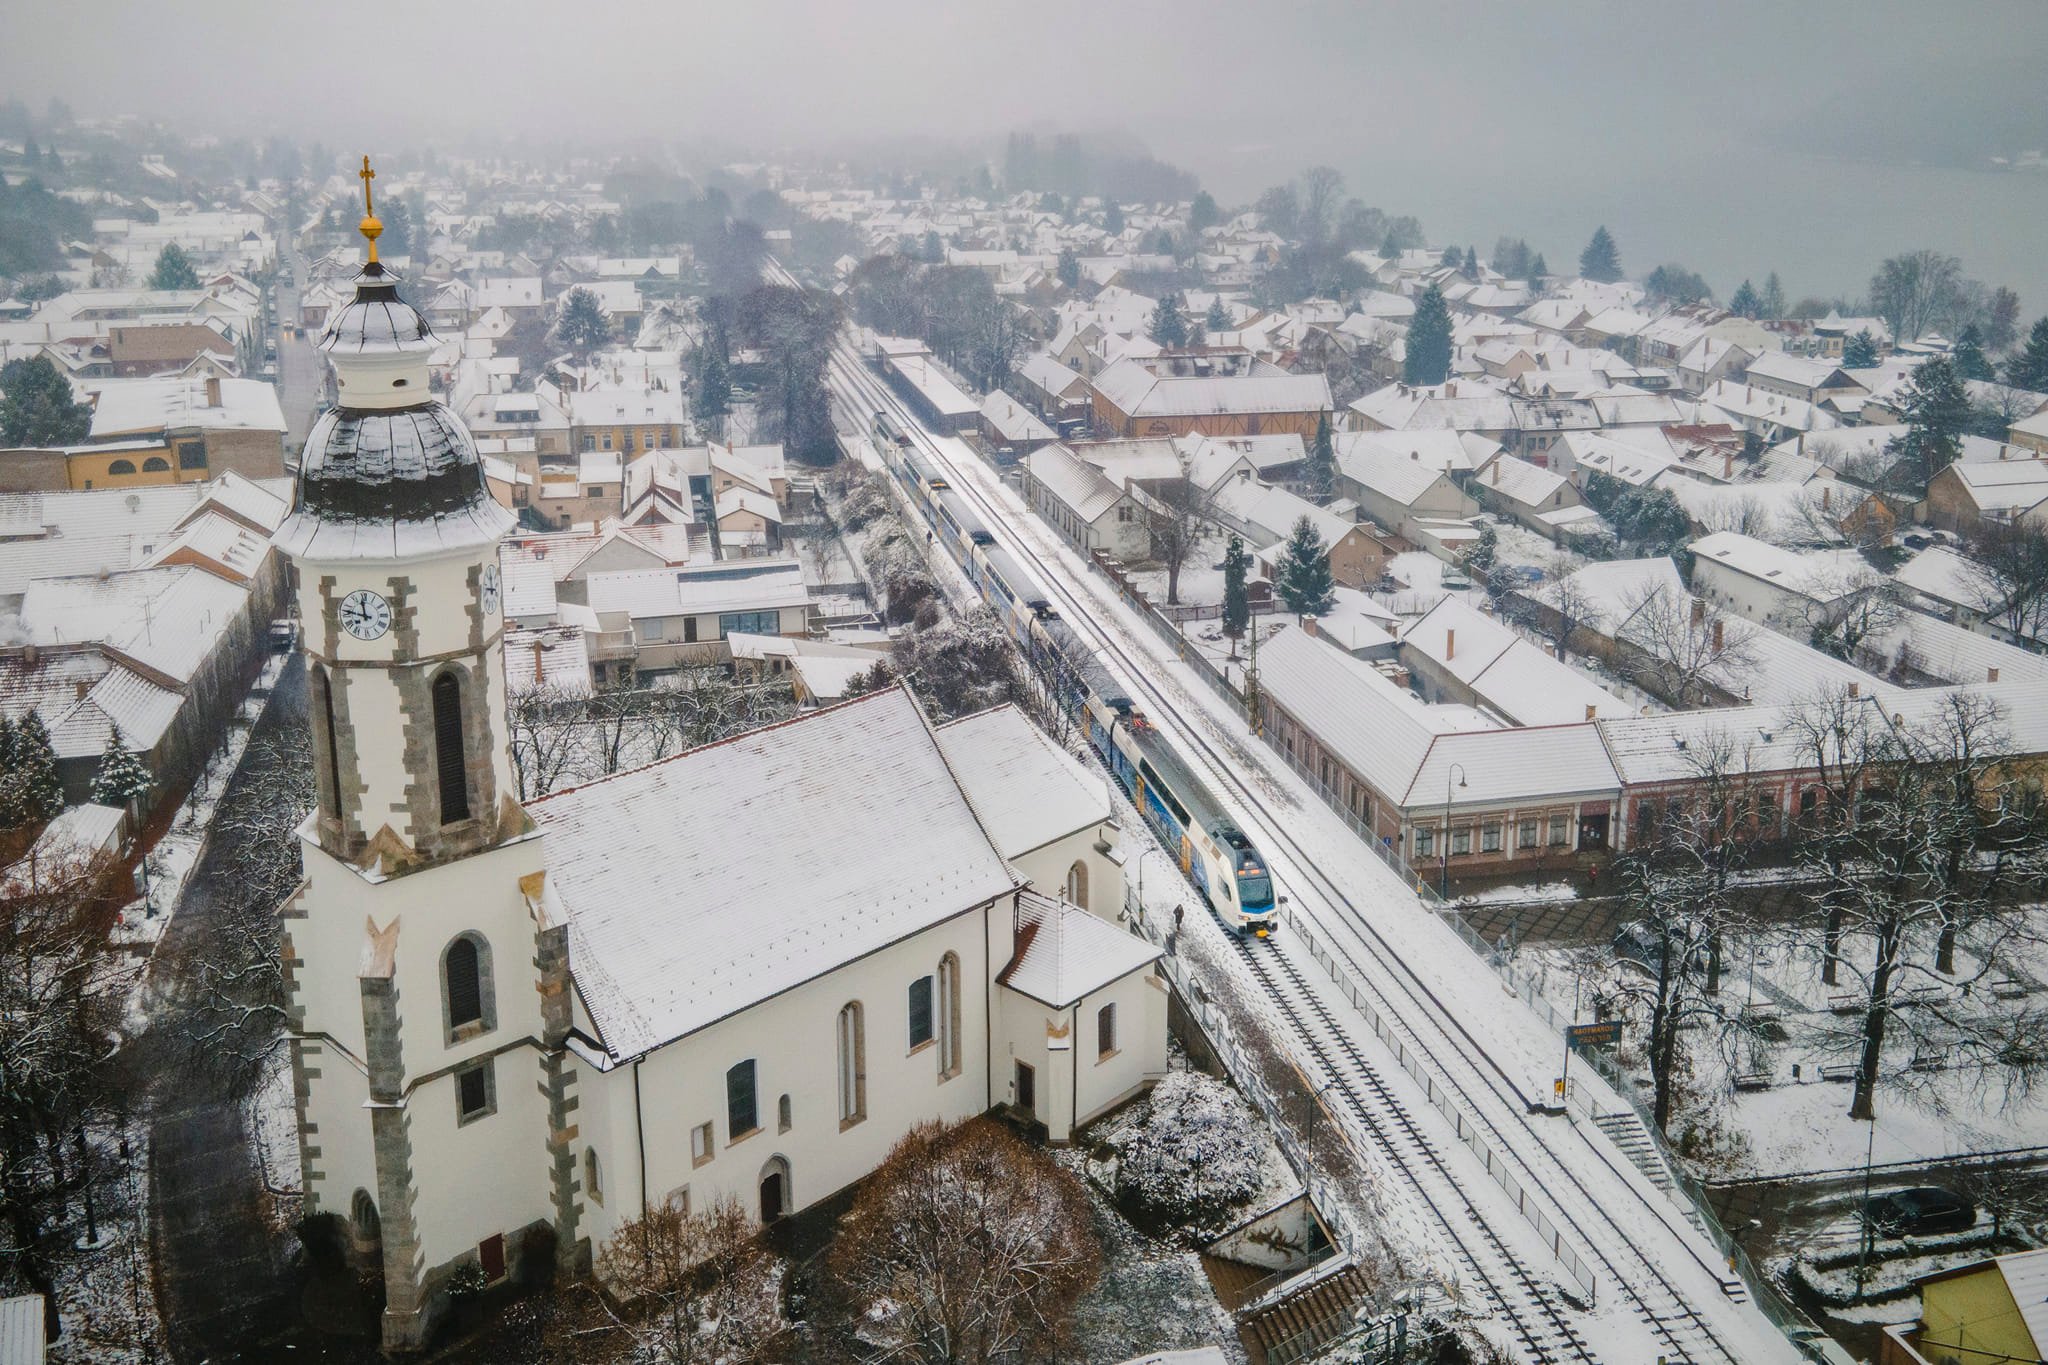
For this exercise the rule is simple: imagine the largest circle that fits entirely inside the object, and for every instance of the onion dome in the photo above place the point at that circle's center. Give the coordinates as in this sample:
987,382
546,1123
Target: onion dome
388,472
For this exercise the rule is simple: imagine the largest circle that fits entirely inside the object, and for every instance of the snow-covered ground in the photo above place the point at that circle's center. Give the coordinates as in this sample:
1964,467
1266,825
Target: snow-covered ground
1381,916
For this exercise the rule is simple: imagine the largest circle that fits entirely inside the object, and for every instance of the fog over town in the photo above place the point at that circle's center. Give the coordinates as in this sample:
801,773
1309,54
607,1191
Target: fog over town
930,684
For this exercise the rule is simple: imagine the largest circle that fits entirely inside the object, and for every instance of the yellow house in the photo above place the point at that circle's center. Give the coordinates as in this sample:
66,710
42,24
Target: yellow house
1994,1312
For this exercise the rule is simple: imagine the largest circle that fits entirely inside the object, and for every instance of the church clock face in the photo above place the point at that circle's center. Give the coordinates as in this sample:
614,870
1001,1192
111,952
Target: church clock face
489,589
365,615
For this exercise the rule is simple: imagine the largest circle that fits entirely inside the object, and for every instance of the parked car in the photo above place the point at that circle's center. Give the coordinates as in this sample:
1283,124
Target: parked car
1638,944
1919,1211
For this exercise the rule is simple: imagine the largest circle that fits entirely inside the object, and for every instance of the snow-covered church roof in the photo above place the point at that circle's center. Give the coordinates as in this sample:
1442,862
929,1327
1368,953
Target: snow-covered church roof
711,881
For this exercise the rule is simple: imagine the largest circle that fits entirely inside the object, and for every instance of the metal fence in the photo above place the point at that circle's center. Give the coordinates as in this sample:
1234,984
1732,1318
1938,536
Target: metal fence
1760,1287
1568,1257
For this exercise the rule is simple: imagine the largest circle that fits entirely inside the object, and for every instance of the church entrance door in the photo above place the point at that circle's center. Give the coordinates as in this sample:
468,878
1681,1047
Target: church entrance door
1027,1089
773,1202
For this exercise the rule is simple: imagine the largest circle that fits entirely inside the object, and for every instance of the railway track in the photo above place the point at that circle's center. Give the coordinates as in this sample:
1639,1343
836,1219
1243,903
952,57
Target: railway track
1679,1330
1524,1301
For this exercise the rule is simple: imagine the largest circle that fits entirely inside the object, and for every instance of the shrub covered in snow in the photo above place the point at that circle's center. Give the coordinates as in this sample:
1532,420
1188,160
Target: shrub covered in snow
1194,1150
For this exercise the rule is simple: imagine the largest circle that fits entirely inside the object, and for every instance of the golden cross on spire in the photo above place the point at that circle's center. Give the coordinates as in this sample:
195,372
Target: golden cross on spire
370,227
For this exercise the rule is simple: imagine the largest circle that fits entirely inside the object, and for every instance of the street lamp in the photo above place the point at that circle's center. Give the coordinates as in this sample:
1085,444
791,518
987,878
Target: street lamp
1456,770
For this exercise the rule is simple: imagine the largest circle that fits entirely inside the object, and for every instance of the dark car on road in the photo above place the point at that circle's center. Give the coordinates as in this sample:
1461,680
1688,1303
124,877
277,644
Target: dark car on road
1920,1211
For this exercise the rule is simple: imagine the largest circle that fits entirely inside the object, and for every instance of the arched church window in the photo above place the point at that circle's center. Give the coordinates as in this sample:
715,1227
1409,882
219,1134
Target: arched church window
467,988
591,1185
448,748
323,691
853,1065
949,1015
121,467
1077,884
156,464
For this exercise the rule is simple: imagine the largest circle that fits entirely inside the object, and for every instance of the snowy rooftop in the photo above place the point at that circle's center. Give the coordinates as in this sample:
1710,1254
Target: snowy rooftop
1064,953
1026,790
829,837
129,406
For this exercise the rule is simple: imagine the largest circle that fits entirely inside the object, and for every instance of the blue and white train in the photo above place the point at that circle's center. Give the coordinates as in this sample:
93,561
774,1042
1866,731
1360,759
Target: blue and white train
1215,855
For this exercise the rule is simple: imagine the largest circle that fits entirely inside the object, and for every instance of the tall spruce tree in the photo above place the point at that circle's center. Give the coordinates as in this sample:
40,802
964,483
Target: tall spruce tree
1601,260
2029,369
121,778
1772,301
1859,352
1305,583
1169,323
38,406
714,387
1237,606
33,766
1216,319
1069,269
1745,301
1970,360
1937,413
173,269
580,322
1538,268
1322,462
13,800
1428,360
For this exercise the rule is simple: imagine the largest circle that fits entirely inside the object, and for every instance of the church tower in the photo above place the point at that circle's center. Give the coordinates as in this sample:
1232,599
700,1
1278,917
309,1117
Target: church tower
428,986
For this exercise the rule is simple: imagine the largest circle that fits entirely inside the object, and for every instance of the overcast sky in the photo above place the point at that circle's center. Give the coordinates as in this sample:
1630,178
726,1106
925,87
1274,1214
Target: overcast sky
1431,108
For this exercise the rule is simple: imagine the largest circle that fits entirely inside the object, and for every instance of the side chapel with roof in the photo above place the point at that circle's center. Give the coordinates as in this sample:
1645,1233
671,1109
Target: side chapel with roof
742,972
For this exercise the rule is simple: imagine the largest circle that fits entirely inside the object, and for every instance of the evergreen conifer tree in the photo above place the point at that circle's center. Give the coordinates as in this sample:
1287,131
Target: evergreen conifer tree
1937,413
33,765
714,388
2029,369
1538,268
13,800
1322,462
1745,300
1305,583
1472,262
121,778
1069,269
1859,352
1237,607
1169,323
1968,356
1216,319
1601,260
38,406
1772,300
1428,360
581,324
173,269
1113,219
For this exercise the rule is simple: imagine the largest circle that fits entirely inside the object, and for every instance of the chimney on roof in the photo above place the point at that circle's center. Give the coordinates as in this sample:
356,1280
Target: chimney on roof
1855,689
1719,625
1748,392
538,670
1991,675
1827,497
213,391
1801,447
1727,464
1590,709
1699,611
1308,627
1450,644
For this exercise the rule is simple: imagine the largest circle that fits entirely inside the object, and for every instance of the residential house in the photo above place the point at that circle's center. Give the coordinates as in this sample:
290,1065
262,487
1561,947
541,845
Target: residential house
1085,505
1970,494
1190,393
1399,493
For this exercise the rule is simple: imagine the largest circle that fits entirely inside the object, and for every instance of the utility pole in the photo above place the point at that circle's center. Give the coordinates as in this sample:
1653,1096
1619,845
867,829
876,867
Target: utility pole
1251,679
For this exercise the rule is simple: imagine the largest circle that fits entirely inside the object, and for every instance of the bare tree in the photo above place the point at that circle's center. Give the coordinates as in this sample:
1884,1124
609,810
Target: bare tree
697,1289
62,990
234,1017
1921,844
542,734
2009,568
1684,649
1322,191
1567,608
1179,521
1911,291
965,1246
1840,613
1675,881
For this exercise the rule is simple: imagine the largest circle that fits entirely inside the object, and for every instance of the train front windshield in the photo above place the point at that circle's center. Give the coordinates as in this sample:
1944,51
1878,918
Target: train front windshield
1254,891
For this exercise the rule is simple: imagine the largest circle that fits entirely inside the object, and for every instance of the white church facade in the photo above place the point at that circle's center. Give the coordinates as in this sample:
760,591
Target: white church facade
743,972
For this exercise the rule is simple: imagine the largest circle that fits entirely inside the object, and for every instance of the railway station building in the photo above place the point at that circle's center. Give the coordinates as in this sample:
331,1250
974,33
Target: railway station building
743,972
